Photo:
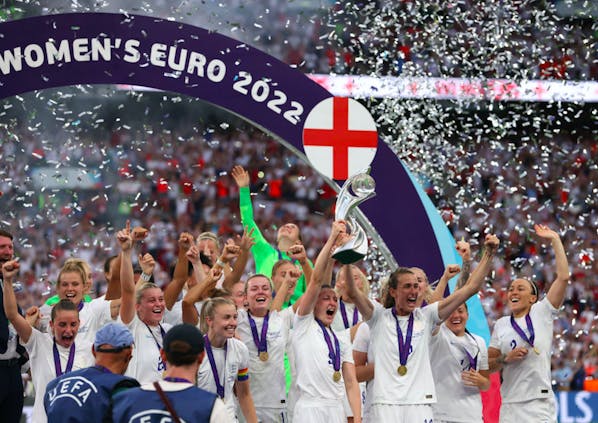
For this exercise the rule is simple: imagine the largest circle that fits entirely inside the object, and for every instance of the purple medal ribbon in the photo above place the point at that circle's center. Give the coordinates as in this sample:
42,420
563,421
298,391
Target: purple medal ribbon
333,353
161,365
208,348
80,306
404,345
521,333
261,344
473,361
344,315
69,362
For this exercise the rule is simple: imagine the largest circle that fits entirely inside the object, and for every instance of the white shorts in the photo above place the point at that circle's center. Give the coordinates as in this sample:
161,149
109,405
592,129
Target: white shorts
419,413
542,410
314,411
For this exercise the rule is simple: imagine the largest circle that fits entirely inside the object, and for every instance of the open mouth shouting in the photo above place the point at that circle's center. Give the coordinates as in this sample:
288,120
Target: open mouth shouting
330,310
412,300
261,299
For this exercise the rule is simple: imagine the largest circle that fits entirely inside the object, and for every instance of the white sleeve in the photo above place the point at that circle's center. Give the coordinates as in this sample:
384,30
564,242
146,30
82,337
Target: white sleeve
220,413
344,339
378,310
362,338
301,324
483,359
494,341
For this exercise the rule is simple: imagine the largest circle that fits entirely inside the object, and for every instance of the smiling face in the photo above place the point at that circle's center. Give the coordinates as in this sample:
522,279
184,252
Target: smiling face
520,297
406,293
150,307
223,322
70,287
259,295
65,327
457,320
6,249
326,306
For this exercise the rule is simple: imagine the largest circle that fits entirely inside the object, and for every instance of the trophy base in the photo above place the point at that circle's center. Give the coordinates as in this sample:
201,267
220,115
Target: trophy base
347,256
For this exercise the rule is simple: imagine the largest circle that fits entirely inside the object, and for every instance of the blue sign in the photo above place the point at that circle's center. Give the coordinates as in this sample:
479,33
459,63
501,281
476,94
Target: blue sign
577,407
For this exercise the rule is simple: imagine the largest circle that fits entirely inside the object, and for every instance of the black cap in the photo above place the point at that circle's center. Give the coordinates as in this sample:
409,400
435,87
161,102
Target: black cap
184,339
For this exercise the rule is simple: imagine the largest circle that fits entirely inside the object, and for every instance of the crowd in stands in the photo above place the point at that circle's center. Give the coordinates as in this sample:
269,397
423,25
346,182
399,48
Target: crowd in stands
173,183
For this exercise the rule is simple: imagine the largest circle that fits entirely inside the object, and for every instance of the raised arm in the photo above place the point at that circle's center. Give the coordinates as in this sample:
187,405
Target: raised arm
297,252
438,293
464,250
230,252
556,293
113,291
127,280
474,283
286,289
310,296
198,293
180,274
21,325
361,301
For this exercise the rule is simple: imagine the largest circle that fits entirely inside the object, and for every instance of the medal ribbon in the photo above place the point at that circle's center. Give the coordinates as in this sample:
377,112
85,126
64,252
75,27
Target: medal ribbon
404,344
208,348
261,344
333,353
473,361
521,333
161,365
69,362
344,315
80,306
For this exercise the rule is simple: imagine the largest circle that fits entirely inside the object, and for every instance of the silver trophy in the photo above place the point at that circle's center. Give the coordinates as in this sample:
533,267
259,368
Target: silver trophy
362,186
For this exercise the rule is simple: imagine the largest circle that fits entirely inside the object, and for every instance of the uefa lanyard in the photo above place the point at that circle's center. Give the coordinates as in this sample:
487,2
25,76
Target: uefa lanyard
260,343
161,365
344,315
530,328
162,332
334,352
208,348
69,362
404,344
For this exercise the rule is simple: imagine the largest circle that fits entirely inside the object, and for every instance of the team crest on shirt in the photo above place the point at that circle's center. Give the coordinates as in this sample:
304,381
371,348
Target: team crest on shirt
148,416
77,388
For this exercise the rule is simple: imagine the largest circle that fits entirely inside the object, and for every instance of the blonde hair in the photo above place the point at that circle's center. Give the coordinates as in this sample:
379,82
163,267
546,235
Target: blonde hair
208,310
75,265
141,290
209,236
365,287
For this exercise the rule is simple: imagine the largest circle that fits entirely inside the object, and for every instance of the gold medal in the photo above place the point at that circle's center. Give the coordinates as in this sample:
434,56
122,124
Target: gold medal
336,376
536,350
402,370
264,355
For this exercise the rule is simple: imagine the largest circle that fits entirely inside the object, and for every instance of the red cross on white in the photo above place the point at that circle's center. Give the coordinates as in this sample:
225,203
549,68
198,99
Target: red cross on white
340,137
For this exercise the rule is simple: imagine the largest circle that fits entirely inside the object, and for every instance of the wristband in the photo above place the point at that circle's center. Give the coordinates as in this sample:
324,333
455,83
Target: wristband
144,276
220,263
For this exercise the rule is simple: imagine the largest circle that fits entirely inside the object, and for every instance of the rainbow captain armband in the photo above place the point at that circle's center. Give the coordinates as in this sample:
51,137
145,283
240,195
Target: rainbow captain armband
243,374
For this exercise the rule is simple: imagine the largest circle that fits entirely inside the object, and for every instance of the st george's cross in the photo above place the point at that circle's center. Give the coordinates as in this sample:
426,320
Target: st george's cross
340,137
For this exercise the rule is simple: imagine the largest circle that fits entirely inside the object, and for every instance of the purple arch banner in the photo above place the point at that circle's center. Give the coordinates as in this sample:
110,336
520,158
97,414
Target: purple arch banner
103,48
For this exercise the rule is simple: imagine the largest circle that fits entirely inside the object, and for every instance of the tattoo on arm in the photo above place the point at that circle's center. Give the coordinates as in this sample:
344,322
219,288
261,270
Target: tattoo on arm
465,272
